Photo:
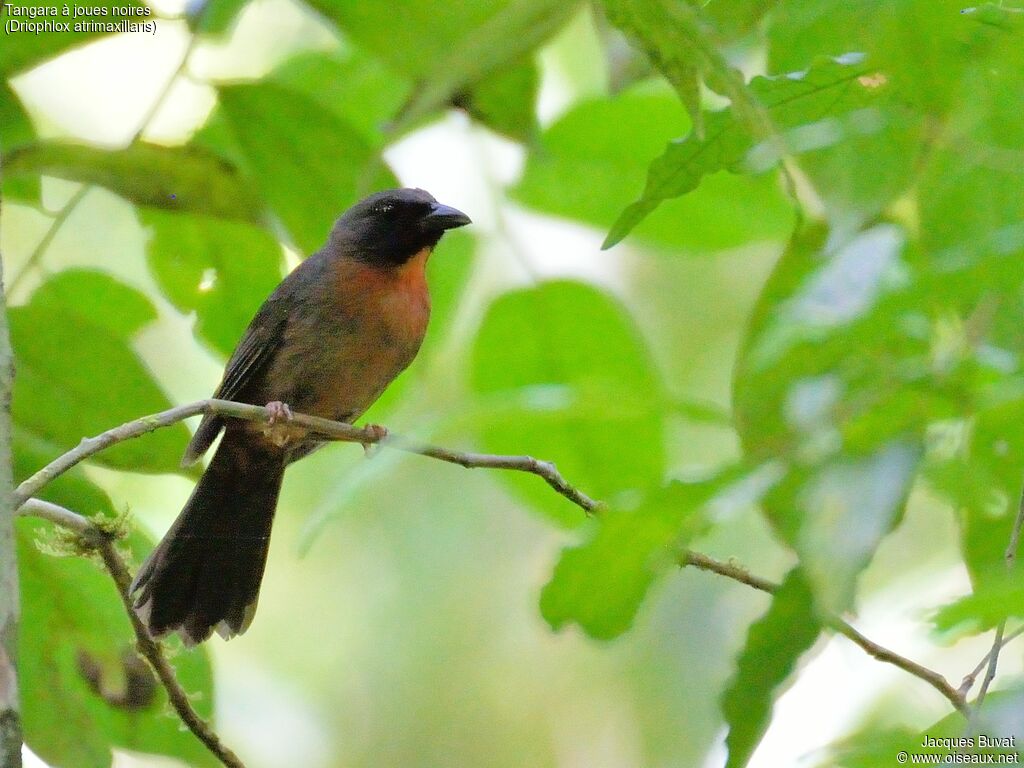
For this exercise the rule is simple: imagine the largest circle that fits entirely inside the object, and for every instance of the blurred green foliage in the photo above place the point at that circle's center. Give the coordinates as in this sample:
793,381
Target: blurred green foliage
871,150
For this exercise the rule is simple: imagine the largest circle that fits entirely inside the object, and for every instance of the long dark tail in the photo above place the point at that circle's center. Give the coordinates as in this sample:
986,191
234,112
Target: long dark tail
206,572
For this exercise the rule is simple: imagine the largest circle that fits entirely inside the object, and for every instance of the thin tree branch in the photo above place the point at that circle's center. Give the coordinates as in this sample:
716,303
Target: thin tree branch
334,430
1010,556
10,700
148,648
330,430
44,243
972,676
737,573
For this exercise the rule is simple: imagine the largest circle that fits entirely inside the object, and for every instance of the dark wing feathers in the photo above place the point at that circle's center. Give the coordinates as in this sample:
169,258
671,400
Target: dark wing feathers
261,340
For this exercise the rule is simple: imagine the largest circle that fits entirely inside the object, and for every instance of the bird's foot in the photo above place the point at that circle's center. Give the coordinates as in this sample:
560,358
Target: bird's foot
278,413
375,433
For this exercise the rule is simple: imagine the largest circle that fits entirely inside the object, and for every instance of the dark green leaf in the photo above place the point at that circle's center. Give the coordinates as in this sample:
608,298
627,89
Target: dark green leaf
835,378
15,125
359,90
506,101
221,270
775,643
309,165
667,35
997,597
832,87
601,583
587,162
214,17
16,129
447,51
567,375
174,178
79,377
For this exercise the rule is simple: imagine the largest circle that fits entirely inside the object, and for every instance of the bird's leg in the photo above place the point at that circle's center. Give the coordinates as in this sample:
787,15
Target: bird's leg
376,433
278,413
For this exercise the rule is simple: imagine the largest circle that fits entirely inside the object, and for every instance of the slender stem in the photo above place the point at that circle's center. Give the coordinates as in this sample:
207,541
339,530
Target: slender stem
972,676
44,243
1010,557
147,647
330,430
737,573
333,430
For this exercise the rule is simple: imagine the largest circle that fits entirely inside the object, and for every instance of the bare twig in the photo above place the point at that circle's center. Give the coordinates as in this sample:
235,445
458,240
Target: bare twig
330,430
972,676
47,238
333,430
992,660
737,573
148,648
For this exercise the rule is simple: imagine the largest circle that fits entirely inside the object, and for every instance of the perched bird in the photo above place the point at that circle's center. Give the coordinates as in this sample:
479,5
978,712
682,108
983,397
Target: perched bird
327,342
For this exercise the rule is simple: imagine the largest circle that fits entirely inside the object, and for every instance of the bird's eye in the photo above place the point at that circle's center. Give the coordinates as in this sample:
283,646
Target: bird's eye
383,207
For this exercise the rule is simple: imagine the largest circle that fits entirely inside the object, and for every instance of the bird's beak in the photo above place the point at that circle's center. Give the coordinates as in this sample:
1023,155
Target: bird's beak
445,217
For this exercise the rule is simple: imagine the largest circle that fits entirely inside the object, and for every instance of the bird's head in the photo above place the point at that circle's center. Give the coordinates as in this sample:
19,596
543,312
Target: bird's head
390,227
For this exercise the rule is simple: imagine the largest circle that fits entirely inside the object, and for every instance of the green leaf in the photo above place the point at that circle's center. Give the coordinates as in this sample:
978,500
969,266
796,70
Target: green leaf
15,124
74,610
309,165
587,162
666,34
16,129
186,178
357,89
996,598
79,376
567,374
601,583
863,498
835,379
213,17
24,49
506,101
735,19
221,270
924,63
831,87
447,50
775,643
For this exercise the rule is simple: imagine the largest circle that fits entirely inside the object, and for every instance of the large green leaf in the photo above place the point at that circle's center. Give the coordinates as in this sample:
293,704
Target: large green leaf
447,50
997,597
221,270
308,164
601,583
589,160
670,35
186,178
360,90
506,101
775,643
16,129
925,63
78,375
566,375
833,88
74,616
835,378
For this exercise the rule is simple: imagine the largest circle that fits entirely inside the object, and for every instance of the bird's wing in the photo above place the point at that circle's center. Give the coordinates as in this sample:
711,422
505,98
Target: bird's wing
261,340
